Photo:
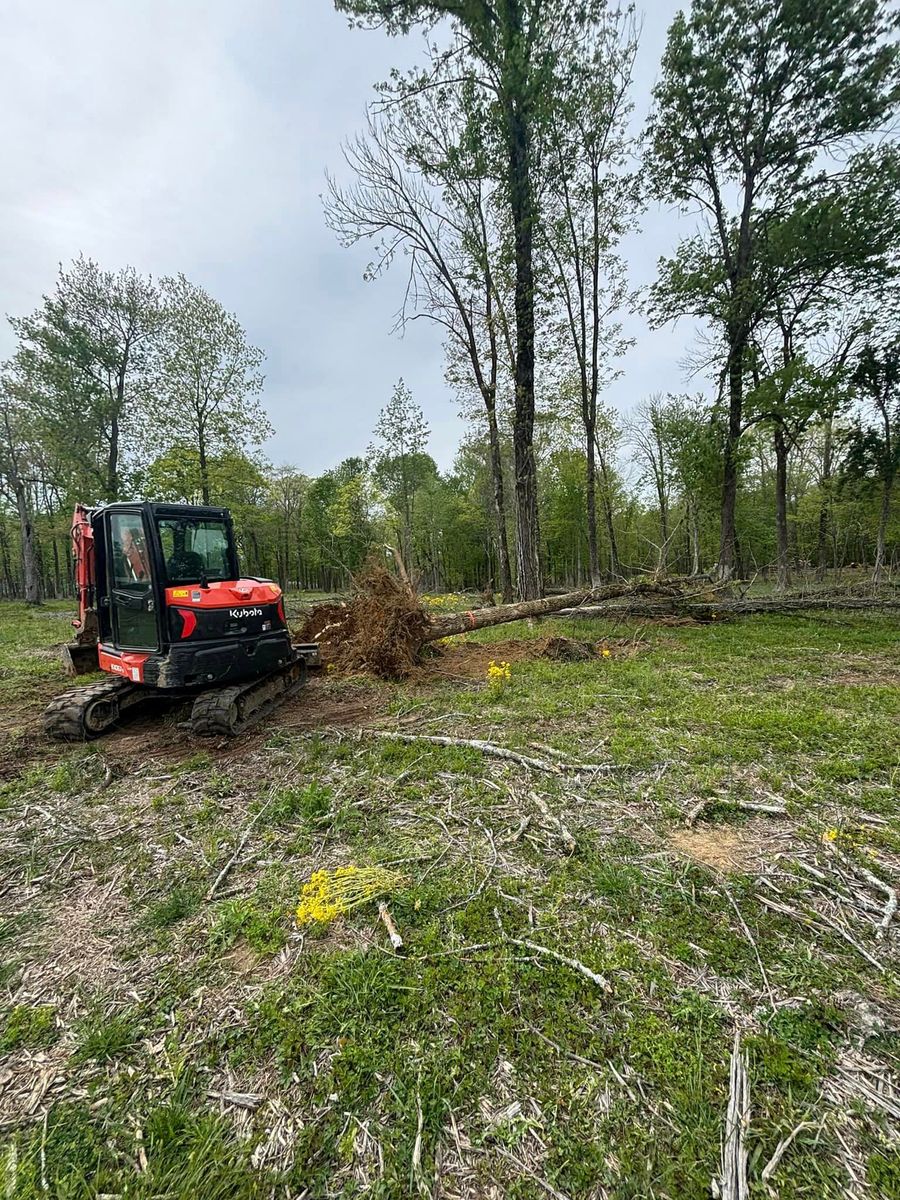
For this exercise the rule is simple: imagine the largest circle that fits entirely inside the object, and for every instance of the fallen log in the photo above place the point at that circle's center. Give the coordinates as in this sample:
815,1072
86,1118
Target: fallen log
710,611
570,603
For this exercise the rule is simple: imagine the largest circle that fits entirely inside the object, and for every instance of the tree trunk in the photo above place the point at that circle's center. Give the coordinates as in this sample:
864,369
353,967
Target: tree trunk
528,554
727,548
593,553
694,536
30,574
503,563
883,518
825,507
462,622
112,467
204,466
614,567
663,526
781,522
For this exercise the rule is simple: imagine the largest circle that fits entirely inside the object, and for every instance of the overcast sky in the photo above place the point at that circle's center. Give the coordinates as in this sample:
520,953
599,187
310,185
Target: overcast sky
193,135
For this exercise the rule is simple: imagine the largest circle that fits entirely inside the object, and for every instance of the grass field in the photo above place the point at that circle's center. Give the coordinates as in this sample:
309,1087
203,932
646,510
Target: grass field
155,1043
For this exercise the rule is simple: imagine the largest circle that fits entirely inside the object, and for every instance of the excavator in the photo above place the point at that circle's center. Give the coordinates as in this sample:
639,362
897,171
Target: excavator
165,612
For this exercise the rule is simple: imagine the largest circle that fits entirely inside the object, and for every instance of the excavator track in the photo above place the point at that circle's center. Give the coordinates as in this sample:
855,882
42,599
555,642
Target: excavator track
230,711
82,713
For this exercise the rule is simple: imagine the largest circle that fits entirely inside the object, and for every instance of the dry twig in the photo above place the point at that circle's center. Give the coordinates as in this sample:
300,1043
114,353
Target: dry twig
733,1183
388,922
494,751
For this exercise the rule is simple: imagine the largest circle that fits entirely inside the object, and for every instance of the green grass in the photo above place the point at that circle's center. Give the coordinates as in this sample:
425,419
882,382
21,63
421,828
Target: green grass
370,1064
30,1026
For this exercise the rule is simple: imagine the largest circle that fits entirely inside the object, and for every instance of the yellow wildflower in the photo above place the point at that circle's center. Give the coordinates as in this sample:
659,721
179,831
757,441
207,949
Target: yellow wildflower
606,653
499,675
330,894
830,835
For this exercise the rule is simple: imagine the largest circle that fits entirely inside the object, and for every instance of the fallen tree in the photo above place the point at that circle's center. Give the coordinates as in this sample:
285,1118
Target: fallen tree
383,628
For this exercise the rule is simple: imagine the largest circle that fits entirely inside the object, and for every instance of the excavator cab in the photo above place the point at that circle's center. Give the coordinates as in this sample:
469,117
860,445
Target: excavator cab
163,606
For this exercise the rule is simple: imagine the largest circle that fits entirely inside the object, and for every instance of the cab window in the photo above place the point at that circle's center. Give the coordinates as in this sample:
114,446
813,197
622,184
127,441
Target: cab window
194,550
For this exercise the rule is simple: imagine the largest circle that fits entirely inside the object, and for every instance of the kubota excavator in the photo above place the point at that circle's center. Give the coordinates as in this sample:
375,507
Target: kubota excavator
164,610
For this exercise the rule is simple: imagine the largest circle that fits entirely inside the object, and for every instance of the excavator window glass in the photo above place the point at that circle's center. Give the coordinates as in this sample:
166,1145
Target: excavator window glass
134,618
195,550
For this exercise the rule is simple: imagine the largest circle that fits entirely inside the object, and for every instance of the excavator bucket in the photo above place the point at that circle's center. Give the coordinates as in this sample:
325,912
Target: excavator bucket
80,659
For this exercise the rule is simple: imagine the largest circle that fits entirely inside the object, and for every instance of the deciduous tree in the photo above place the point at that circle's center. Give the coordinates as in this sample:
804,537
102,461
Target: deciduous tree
752,94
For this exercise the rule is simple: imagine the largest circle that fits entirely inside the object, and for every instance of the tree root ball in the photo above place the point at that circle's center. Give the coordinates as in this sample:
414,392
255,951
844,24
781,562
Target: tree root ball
380,630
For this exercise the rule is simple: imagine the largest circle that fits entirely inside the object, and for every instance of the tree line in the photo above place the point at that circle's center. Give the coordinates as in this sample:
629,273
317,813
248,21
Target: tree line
504,175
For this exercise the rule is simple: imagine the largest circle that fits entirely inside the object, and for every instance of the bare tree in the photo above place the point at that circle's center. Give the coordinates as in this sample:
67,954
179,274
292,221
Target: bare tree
592,202
417,191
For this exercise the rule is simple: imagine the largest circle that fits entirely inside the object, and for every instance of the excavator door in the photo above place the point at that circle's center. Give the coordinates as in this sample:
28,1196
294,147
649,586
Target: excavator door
132,599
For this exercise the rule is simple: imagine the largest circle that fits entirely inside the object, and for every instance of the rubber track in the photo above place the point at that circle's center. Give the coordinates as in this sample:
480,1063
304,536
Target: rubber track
64,716
212,714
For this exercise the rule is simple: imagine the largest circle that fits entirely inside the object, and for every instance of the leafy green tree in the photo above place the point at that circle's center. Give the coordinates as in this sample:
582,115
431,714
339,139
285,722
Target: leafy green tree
647,437
17,474
206,378
85,353
691,438
399,462
752,95
286,496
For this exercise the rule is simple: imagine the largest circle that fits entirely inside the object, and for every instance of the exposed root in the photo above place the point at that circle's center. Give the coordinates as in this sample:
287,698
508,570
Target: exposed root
379,630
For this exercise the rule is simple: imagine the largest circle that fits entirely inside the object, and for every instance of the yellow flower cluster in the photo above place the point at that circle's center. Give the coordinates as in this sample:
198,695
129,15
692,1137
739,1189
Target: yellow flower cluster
330,894
605,652
498,671
450,600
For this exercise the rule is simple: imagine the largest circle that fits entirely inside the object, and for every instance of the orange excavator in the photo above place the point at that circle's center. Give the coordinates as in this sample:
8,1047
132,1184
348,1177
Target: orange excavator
165,611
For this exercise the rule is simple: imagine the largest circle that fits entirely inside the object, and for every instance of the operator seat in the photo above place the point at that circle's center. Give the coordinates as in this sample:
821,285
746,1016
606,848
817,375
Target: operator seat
185,566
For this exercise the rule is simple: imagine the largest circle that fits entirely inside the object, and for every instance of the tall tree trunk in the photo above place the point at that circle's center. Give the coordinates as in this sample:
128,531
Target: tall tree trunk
8,582
112,462
204,465
528,553
727,547
30,573
593,552
663,526
614,566
781,521
883,518
503,563
694,536
825,505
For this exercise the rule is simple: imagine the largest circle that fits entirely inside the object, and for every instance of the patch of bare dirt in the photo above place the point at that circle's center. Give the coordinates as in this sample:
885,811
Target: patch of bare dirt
458,658
749,848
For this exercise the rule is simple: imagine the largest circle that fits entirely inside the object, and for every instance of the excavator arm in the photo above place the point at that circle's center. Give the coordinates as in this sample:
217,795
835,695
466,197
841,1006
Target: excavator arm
80,655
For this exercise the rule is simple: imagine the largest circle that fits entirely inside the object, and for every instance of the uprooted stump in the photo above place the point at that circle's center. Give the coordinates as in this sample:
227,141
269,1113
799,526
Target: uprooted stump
380,630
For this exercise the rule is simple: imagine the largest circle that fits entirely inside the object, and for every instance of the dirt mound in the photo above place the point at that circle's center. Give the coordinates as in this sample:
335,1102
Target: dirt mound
379,630
564,649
